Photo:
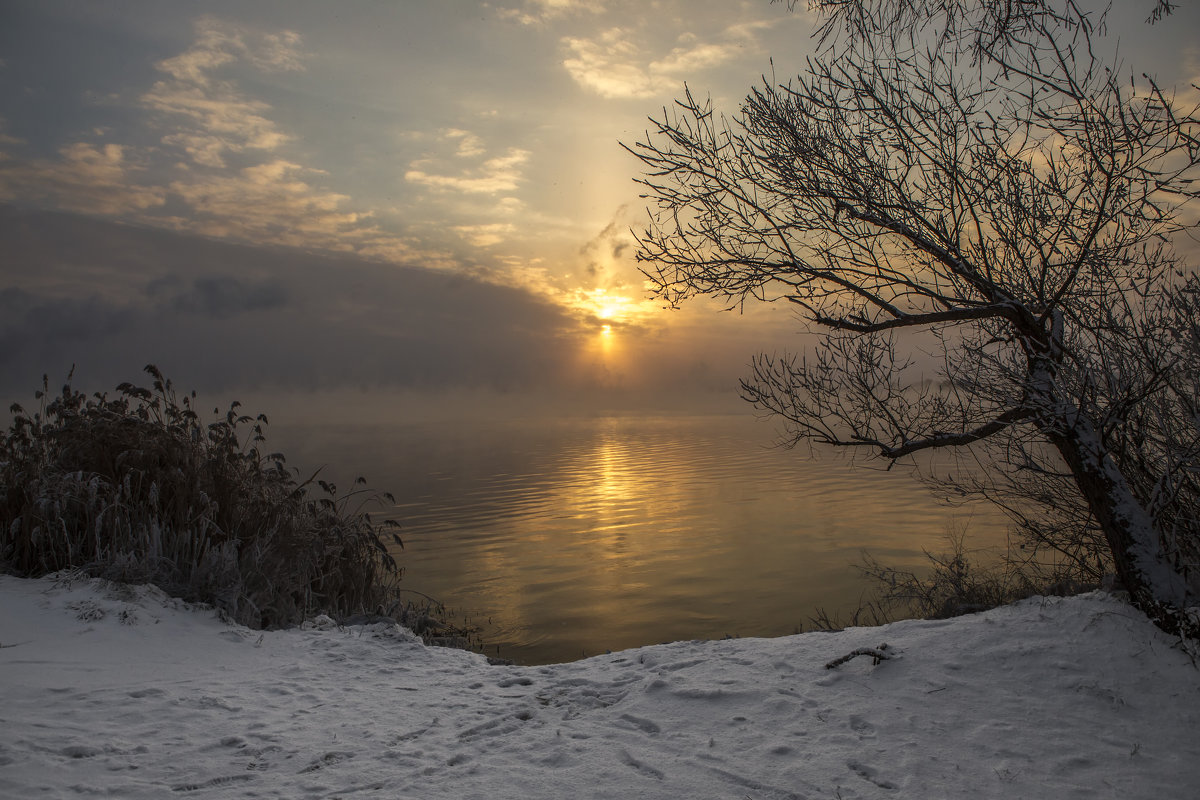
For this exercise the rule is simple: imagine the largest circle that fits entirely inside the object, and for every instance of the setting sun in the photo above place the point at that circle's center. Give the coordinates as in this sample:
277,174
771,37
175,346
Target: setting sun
608,309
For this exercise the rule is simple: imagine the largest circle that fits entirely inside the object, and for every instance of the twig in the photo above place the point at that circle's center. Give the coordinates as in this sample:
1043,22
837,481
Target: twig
877,654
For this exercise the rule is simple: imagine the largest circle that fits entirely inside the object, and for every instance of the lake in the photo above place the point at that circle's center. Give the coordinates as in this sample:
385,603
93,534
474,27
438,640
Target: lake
563,538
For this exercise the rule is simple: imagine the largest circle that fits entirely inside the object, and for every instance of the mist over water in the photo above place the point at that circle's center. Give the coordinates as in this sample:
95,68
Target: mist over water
569,537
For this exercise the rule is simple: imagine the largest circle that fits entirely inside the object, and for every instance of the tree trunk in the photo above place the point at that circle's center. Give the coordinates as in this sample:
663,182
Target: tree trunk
1154,585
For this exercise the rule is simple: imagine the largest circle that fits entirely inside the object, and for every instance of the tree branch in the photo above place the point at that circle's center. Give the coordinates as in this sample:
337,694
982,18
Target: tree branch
997,310
956,439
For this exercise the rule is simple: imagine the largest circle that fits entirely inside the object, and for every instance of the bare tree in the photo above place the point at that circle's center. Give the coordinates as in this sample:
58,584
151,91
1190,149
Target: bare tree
974,181
970,22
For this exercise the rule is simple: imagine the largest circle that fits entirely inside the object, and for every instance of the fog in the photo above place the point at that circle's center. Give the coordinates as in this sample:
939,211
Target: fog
307,331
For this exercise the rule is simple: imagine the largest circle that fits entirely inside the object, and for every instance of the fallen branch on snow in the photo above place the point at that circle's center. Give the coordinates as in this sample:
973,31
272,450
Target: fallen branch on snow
877,654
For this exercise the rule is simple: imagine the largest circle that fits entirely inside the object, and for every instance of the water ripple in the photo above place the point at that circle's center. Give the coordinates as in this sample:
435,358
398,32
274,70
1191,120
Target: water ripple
609,533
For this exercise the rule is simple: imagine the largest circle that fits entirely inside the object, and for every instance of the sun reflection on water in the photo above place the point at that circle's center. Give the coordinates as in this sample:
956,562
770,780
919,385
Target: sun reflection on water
611,491
578,535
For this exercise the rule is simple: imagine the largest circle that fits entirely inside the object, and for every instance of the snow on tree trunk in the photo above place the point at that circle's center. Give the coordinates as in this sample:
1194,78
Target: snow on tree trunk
1141,563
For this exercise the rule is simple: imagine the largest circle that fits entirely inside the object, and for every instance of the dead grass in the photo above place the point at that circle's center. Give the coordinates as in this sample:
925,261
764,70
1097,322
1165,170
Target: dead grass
136,487
956,581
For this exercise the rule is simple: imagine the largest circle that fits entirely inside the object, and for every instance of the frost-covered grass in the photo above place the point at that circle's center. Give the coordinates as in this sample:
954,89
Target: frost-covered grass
117,690
137,487
958,581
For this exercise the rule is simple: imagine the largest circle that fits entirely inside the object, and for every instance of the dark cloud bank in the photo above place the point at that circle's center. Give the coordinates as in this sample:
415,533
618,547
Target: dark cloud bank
111,298
277,325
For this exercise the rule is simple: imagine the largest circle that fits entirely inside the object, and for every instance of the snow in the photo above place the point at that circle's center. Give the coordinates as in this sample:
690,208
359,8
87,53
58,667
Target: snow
123,692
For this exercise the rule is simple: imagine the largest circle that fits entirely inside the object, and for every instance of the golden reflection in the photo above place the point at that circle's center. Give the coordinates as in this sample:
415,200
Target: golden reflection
626,530
615,485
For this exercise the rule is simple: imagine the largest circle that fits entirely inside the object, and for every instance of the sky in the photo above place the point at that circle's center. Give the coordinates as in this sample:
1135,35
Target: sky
427,196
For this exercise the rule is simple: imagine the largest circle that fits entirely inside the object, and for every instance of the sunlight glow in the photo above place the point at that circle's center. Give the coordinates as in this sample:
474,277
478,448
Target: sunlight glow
609,309
608,342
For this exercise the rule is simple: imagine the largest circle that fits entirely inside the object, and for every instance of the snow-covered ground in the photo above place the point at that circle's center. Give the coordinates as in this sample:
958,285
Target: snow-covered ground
123,692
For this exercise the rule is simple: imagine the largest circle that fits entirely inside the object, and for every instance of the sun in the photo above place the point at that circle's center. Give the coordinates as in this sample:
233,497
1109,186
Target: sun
608,309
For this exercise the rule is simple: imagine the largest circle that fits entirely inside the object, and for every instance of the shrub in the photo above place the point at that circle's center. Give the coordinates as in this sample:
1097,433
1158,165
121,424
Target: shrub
956,583
137,488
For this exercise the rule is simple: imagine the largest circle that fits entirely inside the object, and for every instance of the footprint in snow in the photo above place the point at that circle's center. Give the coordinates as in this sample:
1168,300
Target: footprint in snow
208,784
507,682
870,774
327,760
861,726
645,769
644,725
80,751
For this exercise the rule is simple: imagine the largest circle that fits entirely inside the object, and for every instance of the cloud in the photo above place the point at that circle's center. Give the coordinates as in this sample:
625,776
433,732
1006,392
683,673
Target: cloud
270,202
231,318
492,176
218,43
41,327
220,296
187,182
217,117
275,199
613,289
5,138
222,316
34,326
475,187
90,179
539,12
607,248
608,65
614,64
488,234
469,145
693,58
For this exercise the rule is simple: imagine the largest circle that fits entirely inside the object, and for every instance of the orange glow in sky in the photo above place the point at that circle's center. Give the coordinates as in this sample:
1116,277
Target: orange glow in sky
397,148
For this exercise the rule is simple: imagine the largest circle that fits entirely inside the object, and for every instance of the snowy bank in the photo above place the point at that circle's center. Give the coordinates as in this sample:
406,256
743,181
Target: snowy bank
126,693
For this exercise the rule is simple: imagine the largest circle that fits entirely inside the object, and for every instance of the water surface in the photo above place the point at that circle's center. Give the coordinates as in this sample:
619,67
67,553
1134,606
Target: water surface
567,538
